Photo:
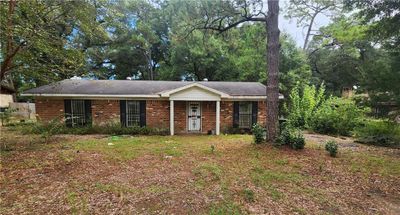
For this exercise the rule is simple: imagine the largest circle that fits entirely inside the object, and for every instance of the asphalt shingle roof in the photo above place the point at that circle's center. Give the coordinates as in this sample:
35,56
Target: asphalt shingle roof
134,87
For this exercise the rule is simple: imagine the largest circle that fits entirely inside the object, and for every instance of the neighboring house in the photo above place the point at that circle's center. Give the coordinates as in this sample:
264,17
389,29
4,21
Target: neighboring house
6,96
196,107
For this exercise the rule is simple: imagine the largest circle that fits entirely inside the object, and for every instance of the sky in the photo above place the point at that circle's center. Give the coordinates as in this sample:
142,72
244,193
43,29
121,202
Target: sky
290,26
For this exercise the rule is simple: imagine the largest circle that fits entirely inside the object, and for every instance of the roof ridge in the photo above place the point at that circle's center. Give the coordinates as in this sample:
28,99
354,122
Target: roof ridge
163,81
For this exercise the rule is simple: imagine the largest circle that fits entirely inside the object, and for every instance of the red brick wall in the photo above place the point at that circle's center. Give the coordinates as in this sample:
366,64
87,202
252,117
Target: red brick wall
180,117
208,116
157,114
226,115
105,111
49,109
262,113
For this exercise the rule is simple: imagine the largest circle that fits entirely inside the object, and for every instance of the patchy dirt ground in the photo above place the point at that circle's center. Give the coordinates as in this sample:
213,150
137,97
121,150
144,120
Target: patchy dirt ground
194,175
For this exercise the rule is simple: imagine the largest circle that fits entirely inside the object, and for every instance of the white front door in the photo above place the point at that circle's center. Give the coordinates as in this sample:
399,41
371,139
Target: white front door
194,116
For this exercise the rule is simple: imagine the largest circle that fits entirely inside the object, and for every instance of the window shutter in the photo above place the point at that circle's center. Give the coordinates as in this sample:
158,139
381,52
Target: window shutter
142,113
88,112
235,114
122,104
254,112
67,112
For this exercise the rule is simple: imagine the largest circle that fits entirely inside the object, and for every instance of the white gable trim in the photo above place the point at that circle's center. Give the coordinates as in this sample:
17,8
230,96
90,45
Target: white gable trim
170,92
194,94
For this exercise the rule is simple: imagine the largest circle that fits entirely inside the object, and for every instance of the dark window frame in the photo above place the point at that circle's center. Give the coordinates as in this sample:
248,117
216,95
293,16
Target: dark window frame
77,112
132,113
139,118
245,116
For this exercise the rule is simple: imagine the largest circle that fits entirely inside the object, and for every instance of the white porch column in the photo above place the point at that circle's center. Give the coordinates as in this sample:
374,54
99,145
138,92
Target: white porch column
217,116
171,116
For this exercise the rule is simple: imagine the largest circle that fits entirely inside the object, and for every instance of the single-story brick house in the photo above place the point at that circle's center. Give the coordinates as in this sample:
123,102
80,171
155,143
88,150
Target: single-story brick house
196,107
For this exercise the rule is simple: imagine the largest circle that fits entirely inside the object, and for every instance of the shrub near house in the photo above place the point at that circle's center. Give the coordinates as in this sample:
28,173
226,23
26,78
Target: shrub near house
379,132
337,116
308,109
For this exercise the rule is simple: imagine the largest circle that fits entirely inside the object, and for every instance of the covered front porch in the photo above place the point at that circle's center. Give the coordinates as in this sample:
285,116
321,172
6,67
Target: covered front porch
194,109
195,117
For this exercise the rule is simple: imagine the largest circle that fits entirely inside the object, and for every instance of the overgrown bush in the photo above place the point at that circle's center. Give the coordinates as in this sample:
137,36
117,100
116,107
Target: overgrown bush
6,115
292,137
303,103
379,132
337,116
258,133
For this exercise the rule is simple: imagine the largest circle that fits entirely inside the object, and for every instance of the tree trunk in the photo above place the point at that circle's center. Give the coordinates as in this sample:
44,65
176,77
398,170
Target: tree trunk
309,31
10,52
273,69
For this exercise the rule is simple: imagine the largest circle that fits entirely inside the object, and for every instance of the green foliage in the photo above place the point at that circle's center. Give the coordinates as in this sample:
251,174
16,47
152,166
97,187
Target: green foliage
6,115
248,195
258,133
302,106
56,126
212,149
225,208
306,11
48,36
383,22
294,69
298,141
349,40
208,172
292,137
46,131
332,147
379,132
337,116
232,130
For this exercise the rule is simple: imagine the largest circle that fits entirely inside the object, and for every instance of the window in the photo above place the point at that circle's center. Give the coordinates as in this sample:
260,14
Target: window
78,116
245,114
132,113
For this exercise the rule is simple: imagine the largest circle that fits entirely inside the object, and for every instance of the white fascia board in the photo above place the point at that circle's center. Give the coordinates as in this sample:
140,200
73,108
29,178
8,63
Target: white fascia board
194,99
168,93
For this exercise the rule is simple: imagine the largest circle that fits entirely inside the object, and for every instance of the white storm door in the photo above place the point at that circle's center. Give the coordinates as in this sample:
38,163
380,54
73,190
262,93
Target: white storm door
194,116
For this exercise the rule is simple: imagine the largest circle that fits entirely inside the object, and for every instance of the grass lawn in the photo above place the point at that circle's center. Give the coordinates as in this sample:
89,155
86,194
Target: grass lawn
193,175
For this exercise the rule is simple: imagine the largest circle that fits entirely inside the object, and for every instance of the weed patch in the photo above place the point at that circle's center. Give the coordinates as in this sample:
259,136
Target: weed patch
117,189
226,208
262,177
77,203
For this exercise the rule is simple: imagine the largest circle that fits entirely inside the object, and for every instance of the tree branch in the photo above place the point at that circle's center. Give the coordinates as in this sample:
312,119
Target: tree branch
222,29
